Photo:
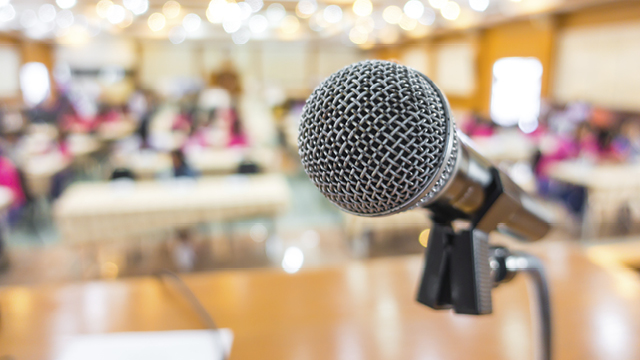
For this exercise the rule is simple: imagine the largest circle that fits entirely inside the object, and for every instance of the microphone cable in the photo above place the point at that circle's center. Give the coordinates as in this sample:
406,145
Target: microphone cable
195,304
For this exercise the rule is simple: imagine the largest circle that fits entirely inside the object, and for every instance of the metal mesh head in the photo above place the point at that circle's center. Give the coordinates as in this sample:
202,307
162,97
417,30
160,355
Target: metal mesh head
373,137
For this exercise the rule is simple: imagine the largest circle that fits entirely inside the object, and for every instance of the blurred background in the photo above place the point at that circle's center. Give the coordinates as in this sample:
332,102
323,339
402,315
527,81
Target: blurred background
142,135
139,135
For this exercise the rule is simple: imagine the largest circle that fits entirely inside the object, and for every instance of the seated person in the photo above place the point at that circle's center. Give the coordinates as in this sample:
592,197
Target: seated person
180,166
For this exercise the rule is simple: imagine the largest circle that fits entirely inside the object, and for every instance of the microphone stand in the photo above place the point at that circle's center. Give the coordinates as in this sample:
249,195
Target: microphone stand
461,269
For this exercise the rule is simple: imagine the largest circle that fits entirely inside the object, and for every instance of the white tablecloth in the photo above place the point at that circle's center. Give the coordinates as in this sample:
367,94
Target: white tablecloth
106,211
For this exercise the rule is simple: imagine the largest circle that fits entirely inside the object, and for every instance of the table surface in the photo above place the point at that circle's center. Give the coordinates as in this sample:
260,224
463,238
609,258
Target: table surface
362,310
605,176
120,209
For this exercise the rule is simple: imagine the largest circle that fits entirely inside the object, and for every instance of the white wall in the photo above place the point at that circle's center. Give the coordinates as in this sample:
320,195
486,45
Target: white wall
10,60
455,68
601,65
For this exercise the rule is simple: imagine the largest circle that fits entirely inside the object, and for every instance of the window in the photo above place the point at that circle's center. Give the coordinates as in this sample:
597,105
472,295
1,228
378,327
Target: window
515,93
34,83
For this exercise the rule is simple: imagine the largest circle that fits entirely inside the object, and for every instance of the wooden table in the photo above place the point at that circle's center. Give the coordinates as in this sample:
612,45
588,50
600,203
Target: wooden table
362,310
116,210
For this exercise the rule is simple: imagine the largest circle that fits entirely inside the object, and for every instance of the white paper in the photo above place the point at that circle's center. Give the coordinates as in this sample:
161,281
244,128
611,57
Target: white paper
155,345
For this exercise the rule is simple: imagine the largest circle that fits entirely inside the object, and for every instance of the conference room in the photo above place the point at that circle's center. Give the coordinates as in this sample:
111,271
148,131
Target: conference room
319,179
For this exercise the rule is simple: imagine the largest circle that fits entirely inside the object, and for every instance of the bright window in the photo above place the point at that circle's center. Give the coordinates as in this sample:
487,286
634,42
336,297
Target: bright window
34,83
515,93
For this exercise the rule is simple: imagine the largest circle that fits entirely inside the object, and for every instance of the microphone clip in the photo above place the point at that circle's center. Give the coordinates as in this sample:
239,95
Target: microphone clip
457,273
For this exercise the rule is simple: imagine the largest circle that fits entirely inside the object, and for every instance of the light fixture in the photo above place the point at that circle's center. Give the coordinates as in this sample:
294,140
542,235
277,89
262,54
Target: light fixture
317,22
450,10
156,21
245,10
102,8
437,4
290,24
137,7
358,37
407,23
116,14
64,19
216,11
241,37
414,9
306,8
7,13
66,4
258,24
332,14
177,35
256,5
392,14
364,24
275,13
28,19
362,7
127,21
428,17
46,12
230,26
191,22
171,9
479,5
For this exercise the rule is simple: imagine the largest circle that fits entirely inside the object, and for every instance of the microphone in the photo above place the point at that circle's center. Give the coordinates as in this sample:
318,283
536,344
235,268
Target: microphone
378,138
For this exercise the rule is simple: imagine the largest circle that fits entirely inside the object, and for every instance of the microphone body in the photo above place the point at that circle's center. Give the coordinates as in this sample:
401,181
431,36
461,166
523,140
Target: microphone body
378,138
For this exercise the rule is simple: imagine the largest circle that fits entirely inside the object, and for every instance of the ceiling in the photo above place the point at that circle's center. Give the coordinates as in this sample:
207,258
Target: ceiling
364,23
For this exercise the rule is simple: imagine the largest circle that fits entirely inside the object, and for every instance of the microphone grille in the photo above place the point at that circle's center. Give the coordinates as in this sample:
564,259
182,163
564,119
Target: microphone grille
373,137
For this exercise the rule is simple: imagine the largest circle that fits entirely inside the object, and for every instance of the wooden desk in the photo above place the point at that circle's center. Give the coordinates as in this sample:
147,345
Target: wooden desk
363,310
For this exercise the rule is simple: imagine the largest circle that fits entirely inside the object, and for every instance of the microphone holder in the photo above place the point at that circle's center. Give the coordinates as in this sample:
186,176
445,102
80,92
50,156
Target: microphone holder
461,269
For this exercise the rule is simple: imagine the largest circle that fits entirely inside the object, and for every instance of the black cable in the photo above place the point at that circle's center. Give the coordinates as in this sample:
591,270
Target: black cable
196,305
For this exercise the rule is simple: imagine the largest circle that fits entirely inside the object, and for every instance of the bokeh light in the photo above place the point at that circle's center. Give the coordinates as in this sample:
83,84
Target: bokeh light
156,22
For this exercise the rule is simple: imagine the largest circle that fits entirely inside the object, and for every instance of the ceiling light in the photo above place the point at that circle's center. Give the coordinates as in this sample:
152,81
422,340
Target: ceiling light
191,22
362,7
64,19
102,8
332,14
245,10
156,22
7,13
116,14
414,9
450,10
437,4
407,23
28,19
358,37
275,13
230,26
428,17
479,5
46,12
306,8
258,24
177,35
365,24
256,5
216,10
66,4
241,37
290,24
392,14
171,9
